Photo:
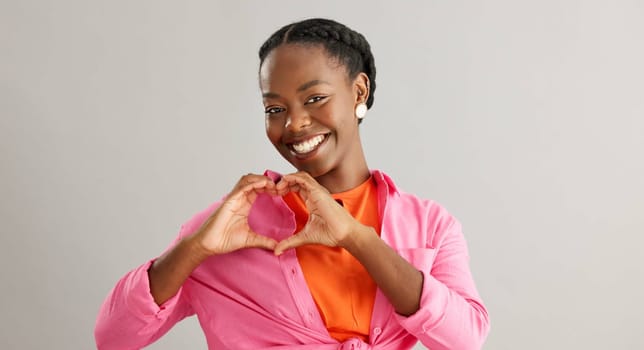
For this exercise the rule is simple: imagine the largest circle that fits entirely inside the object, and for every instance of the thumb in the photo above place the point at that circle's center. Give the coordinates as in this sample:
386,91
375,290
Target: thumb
291,242
258,241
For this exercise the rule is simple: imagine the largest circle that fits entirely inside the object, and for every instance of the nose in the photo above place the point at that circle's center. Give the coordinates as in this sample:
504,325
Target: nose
297,119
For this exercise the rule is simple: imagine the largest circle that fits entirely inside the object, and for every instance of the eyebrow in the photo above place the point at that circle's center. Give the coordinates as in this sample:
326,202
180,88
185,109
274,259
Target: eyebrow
300,89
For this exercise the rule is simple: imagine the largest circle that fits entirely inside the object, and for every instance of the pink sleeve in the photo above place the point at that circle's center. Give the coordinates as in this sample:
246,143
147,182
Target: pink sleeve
130,319
451,314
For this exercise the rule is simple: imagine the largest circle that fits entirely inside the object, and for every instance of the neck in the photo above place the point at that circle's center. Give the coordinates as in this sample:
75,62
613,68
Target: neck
346,176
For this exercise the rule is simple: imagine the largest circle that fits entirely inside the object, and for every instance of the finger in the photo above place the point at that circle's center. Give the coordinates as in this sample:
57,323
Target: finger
299,178
305,181
268,187
307,187
289,243
294,183
258,185
283,185
250,178
255,240
283,188
250,191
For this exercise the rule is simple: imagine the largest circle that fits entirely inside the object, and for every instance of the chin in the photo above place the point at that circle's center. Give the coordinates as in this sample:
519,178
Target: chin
315,169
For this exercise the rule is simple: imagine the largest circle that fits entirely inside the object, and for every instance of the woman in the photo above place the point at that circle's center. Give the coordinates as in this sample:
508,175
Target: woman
333,256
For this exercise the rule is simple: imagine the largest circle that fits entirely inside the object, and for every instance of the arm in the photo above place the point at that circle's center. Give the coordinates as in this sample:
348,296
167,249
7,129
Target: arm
451,313
129,317
168,273
225,231
439,305
399,280
148,301
329,224
436,299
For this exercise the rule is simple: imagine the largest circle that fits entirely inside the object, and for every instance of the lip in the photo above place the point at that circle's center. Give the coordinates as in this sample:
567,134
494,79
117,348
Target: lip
303,156
291,140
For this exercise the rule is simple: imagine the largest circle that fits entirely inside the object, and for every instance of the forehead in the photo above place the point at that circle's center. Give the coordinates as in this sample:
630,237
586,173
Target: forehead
291,65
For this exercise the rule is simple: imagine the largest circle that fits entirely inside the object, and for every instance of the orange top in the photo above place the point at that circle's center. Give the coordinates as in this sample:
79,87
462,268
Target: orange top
341,287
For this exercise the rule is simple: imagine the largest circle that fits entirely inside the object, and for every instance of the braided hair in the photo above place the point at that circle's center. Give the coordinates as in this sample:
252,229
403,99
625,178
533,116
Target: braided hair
341,42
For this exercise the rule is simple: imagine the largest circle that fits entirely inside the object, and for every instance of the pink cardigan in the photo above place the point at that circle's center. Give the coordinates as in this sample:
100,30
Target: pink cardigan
251,299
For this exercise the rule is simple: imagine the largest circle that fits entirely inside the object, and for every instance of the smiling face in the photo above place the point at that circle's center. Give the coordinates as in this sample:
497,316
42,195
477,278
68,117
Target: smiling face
310,105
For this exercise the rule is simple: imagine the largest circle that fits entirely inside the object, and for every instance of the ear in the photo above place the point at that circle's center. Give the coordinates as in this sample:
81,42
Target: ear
361,88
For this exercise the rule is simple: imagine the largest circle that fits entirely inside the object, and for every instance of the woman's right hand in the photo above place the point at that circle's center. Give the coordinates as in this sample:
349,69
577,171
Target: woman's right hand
227,229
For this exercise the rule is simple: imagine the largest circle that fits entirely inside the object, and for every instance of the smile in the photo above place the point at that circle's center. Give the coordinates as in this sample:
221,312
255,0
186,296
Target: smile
307,146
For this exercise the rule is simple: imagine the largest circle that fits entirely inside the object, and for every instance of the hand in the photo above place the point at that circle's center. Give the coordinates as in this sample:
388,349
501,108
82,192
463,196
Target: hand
227,229
329,224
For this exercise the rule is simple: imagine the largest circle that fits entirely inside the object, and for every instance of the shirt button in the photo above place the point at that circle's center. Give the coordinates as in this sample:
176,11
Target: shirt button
377,331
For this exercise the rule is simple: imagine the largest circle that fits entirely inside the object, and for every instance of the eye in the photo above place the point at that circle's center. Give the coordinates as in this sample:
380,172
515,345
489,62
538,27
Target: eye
315,99
273,110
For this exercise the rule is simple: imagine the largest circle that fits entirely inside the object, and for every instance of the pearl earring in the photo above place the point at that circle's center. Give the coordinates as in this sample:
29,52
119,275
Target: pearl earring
361,111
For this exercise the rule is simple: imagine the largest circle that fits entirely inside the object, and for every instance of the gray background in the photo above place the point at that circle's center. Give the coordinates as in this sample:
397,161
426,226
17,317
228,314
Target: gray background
121,119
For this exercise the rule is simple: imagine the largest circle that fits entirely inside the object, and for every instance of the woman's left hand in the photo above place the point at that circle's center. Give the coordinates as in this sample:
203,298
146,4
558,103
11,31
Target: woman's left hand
329,223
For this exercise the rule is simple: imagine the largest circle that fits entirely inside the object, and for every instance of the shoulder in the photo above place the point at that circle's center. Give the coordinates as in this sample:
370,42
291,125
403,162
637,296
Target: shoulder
427,217
434,219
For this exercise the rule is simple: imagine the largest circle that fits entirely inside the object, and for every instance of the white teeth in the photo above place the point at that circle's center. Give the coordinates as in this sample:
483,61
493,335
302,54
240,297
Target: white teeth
308,145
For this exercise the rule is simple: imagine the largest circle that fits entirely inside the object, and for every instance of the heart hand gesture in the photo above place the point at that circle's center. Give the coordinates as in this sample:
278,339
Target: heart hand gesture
227,229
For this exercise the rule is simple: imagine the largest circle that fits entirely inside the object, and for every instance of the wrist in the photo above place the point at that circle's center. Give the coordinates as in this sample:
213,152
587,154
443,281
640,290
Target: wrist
359,238
198,250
